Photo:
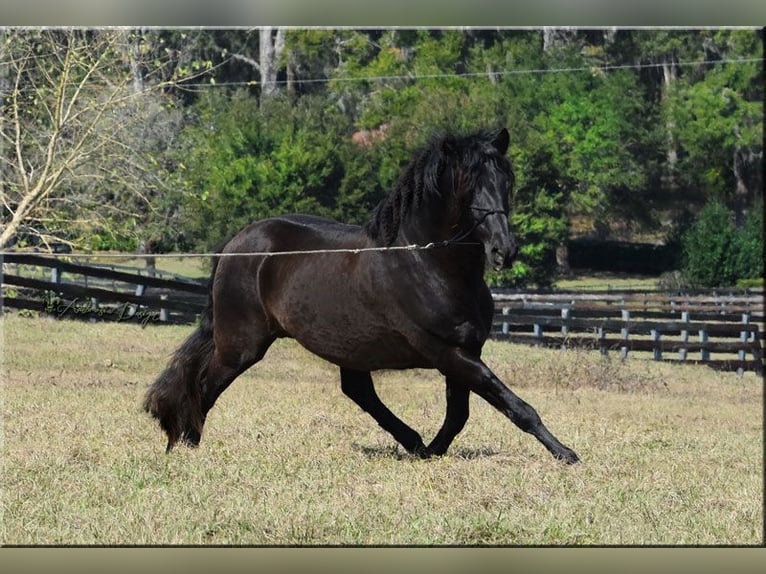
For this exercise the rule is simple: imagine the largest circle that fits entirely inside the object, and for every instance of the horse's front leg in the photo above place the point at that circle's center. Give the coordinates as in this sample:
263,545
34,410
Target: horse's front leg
454,420
357,385
480,379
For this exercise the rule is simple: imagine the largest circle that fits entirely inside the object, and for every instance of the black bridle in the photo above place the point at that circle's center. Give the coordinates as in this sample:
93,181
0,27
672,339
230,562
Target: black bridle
460,235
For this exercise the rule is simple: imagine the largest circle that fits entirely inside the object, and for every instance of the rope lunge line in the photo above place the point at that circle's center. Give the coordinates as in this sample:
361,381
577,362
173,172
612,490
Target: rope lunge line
354,250
457,239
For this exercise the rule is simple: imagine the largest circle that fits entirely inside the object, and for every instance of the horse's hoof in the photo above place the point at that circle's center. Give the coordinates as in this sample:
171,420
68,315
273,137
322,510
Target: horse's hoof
421,451
568,456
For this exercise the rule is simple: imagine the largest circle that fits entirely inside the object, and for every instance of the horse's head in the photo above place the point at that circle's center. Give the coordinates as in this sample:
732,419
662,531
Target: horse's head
482,180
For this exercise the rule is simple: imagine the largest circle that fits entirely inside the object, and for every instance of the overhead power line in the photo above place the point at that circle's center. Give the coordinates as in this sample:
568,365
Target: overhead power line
494,73
447,75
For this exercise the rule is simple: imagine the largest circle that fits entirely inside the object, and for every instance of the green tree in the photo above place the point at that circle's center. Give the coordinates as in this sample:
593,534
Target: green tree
718,121
663,51
243,161
598,126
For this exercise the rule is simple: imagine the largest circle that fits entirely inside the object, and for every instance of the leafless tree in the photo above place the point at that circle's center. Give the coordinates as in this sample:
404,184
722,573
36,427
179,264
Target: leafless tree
79,111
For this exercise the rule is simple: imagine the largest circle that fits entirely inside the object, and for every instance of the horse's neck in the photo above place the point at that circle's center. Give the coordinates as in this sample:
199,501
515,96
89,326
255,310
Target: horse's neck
421,231
422,220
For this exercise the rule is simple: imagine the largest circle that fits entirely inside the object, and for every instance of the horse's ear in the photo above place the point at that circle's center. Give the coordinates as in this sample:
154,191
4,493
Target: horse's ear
501,140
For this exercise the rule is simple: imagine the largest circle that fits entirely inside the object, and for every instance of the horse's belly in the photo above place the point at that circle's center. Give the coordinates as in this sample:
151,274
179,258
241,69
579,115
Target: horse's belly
334,321
362,351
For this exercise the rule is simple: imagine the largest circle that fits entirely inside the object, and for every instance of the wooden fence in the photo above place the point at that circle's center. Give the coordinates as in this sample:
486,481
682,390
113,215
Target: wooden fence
99,292
720,329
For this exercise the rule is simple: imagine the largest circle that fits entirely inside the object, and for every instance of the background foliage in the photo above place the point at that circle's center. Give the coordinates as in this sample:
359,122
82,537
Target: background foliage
616,134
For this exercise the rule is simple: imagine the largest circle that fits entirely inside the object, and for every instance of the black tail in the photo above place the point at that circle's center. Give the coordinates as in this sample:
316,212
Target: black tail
175,398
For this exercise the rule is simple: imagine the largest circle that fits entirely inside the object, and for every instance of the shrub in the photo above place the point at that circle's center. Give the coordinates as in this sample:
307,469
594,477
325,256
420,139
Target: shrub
246,162
748,247
716,254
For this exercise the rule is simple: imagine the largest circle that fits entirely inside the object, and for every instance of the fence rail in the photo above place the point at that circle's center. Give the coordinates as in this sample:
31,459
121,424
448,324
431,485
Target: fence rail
725,329
99,293
720,329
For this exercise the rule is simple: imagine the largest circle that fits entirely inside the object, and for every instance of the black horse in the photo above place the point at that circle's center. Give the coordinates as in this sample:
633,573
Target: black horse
334,289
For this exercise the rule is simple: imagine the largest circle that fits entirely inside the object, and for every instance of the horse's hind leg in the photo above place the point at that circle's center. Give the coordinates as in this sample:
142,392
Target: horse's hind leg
232,356
225,368
217,378
454,420
357,385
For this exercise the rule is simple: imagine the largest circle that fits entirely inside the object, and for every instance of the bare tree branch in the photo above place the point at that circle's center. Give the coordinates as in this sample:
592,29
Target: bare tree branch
248,61
75,127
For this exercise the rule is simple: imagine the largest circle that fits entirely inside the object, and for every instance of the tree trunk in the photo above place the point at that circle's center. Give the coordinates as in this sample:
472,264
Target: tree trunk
748,181
5,80
610,34
5,88
669,75
562,259
134,58
558,37
740,191
271,46
291,92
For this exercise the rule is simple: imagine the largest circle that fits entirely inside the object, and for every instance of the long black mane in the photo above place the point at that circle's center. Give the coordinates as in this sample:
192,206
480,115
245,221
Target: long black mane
419,181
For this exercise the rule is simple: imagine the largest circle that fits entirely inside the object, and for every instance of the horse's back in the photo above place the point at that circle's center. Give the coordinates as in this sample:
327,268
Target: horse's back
281,254
295,233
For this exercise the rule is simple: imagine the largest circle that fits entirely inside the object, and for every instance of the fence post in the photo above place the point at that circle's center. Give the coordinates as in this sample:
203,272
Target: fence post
538,333
704,353
505,328
744,337
56,274
565,314
624,332
602,341
682,353
656,350
164,312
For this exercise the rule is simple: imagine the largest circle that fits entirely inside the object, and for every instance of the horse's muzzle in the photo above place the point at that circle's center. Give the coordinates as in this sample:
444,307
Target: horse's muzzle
502,257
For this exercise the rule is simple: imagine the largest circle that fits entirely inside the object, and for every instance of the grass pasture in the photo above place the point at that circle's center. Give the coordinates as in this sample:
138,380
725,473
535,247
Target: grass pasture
671,454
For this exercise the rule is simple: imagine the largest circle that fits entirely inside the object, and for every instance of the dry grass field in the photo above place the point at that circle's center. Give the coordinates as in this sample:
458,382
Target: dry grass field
672,455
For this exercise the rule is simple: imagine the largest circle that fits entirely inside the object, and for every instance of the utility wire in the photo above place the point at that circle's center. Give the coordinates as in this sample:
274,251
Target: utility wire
353,250
436,76
494,73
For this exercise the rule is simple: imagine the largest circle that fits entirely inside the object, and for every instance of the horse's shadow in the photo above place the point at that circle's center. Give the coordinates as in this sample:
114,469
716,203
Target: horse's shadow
396,453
